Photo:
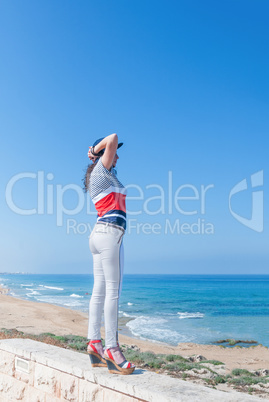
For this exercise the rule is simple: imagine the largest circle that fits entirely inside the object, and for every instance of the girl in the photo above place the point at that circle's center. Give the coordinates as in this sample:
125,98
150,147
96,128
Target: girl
108,196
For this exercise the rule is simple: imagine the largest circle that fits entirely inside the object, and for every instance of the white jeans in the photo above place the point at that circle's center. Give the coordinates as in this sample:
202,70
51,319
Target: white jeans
107,250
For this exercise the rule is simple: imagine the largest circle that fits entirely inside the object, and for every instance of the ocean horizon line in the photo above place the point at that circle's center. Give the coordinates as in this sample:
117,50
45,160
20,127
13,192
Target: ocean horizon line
130,274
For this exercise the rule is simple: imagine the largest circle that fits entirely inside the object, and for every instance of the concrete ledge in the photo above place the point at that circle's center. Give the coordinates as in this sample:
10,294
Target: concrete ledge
36,372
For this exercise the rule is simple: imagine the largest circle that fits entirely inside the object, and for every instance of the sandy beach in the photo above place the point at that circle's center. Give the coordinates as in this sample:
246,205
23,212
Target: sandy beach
36,318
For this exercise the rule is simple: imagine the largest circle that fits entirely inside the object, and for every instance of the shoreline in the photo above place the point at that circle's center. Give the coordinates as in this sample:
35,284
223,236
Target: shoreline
37,317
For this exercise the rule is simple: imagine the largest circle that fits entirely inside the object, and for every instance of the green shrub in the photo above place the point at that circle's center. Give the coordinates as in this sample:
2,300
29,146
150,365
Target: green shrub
238,372
60,338
182,366
148,356
76,338
215,362
133,356
173,358
47,334
248,380
78,346
156,364
220,379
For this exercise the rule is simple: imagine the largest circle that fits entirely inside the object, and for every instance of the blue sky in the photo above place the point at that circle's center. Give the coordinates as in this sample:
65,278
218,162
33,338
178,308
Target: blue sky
183,84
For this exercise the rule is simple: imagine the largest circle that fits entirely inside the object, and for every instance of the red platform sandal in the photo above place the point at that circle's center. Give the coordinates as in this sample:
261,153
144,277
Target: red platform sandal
97,360
123,368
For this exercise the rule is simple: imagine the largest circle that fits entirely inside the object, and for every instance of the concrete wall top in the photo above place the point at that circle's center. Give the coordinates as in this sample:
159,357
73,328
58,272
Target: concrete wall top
142,384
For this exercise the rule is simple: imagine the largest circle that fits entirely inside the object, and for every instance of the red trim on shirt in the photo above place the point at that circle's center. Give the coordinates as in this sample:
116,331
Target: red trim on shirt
110,202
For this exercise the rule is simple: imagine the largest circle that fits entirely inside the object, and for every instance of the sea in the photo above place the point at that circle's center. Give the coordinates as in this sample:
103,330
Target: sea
166,308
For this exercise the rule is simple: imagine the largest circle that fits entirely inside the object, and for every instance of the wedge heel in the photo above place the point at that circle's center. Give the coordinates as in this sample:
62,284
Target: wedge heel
115,368
97,360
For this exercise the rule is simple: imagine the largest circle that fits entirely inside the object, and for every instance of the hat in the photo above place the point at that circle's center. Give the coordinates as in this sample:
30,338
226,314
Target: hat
103,150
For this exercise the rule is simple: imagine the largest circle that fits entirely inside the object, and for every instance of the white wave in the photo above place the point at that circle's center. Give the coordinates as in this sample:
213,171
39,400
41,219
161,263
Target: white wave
62,301
31,284
74,295
130,304
33,293
190,315
51,287
127,315
155,328
123,314
74,304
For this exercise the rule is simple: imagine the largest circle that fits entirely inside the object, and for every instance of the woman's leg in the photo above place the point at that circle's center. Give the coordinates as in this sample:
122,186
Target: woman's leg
113,271
98,294
107,242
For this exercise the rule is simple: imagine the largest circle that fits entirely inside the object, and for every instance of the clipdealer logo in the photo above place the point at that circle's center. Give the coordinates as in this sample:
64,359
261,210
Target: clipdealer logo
166,201
151,200
256,221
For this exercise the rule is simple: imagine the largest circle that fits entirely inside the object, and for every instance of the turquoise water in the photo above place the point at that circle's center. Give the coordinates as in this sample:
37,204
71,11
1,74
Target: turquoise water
167,308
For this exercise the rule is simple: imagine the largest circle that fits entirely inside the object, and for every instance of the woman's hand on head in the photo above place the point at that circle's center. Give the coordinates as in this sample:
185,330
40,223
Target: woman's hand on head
91,156
110,145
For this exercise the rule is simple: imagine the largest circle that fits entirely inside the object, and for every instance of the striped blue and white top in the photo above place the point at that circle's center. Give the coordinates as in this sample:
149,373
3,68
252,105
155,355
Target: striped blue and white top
108,195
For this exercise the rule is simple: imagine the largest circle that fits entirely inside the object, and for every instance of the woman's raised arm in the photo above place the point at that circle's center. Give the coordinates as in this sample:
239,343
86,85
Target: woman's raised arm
110,143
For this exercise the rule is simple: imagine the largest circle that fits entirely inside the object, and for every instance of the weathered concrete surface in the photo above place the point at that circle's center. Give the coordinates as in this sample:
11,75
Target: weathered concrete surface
57,374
